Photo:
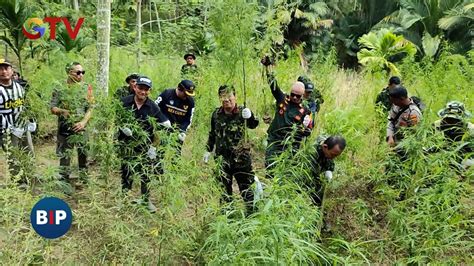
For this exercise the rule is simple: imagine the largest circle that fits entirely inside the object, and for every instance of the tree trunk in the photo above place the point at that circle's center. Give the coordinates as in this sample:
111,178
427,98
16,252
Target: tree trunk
76,5
158,22
139,32
103,44
149,16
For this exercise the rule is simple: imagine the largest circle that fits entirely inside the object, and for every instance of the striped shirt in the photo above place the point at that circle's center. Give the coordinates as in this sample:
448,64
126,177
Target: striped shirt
12,101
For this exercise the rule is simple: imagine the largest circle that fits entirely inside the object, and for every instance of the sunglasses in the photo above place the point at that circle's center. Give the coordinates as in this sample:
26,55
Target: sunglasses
295,95
80,72
143,88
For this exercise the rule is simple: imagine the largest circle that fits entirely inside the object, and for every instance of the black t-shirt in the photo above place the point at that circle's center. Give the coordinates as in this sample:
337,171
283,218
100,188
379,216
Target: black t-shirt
149,110
178,111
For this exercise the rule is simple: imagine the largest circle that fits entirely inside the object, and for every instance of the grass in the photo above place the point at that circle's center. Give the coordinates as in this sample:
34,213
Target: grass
367,225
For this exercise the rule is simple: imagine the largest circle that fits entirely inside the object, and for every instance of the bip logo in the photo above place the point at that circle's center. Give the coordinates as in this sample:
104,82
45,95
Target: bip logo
35,24
51,217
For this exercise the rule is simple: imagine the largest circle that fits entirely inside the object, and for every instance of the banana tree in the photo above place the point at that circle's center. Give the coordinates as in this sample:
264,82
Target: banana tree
381,47
419,21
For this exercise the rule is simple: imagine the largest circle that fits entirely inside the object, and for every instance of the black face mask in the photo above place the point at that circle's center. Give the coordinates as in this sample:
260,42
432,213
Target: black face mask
453,128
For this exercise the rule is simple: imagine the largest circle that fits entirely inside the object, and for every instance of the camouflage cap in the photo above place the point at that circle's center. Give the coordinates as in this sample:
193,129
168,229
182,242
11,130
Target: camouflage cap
454,109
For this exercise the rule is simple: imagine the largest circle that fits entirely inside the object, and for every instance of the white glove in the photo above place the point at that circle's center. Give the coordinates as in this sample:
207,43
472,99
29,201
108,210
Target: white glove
328,175
151,153
206,157
306,121
182,136
31,126
166,124
466,163
18,132
258,194
127,131
246,113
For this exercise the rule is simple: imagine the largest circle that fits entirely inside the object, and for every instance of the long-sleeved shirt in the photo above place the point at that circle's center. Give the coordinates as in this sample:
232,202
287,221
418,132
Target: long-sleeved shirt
287,116
410,116
12,101
227,131
178,111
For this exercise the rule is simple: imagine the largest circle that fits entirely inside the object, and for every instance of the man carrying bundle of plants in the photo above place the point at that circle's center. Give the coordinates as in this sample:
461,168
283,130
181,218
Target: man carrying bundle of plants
291,123
12,123
322,161
138,141
73,104
227,135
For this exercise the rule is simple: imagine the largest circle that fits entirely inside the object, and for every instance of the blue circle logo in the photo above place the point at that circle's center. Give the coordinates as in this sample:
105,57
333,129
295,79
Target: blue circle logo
51,217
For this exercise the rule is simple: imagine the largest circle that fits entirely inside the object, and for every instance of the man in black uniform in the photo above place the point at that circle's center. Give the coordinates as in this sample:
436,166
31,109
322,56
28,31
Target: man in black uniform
227,136
123,91
177,105
137,136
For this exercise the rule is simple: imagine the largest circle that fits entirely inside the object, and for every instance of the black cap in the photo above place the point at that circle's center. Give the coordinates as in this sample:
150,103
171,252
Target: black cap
188,87
190,54
134,76
308,85
394,80
144,81
226,89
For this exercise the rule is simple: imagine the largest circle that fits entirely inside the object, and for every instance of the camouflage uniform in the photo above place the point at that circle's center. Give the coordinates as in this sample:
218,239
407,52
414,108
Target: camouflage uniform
287,123
226,135
123,91
458,131
77,99
187,70
319,165
383,100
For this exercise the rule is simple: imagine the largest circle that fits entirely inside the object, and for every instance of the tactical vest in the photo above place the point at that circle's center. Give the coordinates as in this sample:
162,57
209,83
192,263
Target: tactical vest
284,106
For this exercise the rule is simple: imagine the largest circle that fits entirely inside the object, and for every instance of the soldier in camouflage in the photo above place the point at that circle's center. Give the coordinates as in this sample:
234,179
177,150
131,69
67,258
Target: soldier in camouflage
327,149
129,89
457,130
227,137
383,98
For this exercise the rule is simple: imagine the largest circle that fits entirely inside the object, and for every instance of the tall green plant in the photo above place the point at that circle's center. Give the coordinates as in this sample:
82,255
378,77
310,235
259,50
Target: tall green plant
380,47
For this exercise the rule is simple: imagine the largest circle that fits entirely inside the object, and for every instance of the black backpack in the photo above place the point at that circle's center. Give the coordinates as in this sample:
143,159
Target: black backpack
417,100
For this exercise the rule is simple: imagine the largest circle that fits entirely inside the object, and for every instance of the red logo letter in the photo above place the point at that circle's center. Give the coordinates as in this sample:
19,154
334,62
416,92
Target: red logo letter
52,26
73,33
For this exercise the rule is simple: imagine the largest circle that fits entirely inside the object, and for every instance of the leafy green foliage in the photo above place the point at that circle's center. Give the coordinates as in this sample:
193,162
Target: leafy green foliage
380,47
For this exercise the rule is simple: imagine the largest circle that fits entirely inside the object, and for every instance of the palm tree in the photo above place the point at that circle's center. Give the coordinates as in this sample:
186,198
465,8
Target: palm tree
381,47
13,13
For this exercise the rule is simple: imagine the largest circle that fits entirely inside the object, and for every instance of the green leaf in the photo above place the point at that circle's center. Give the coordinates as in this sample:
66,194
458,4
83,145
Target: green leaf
430,44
